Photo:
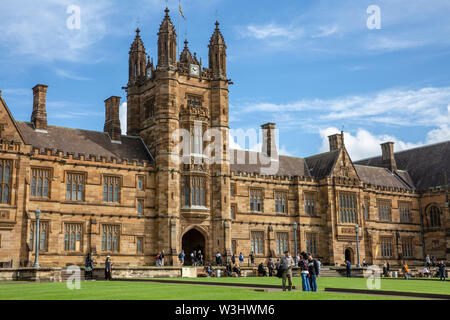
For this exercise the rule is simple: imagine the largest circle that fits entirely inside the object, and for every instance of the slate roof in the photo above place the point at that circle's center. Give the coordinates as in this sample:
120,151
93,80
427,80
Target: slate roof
380,177
320,165
85,142
425,165
287,166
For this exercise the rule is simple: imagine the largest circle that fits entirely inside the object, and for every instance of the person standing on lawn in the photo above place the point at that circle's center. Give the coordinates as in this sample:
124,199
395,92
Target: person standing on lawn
304,273
241,258
441,267
286,264
108,266
313,270
348,267
270,266
88,267
161,259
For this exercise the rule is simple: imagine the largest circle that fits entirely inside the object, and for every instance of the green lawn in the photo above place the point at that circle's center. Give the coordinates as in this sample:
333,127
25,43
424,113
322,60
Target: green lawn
424,286
101,290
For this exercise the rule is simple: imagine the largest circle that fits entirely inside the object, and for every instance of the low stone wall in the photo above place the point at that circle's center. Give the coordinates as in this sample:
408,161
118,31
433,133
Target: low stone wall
55,274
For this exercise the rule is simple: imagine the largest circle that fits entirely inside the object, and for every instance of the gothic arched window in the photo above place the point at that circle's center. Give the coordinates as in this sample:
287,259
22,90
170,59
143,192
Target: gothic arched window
435,216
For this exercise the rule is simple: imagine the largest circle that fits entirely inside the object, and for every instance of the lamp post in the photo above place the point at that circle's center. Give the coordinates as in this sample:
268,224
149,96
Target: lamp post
295,242
357,245
36,260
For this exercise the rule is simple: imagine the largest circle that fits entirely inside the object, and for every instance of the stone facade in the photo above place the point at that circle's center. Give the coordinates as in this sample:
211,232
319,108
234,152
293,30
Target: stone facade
131,197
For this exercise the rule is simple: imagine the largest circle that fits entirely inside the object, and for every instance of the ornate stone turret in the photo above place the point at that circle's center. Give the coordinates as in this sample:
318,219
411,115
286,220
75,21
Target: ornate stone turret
137,60
186,56
167,43
218,55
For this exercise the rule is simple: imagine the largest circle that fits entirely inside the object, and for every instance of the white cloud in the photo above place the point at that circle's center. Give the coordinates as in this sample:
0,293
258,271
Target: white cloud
363,144
399,107
38,30
271,30
325,31
71,76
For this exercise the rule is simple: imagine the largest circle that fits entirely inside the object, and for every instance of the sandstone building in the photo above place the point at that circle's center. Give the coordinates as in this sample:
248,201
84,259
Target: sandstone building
127,195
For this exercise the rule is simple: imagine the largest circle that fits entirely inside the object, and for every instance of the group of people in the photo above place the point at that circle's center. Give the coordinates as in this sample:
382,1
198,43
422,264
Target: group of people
159,260
308,266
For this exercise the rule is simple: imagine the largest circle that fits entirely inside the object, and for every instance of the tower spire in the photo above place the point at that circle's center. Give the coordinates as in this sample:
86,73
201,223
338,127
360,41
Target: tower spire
218,54
167,43
137,59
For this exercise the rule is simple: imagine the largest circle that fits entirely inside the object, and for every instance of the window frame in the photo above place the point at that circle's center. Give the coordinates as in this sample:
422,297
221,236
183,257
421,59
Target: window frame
382,213
258,247
42,223
6,163
109,242
40,170
282,244
309,202
84,183
73,227
348,208
111,193
259,201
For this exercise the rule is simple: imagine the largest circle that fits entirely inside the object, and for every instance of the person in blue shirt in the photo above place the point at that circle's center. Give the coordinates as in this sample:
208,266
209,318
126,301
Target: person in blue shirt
349,269
108,266
181,257
241,258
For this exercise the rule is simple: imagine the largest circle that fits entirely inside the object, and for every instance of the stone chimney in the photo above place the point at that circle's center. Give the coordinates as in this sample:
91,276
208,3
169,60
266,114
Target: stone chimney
387,156
112,120
269,147
336,141
39,115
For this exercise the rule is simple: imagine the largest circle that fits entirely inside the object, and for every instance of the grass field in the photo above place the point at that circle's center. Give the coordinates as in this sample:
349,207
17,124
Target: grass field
100,290
423,286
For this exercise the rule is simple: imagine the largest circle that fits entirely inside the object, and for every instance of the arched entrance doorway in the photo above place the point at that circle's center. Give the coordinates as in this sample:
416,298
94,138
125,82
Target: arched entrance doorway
349,255
193,240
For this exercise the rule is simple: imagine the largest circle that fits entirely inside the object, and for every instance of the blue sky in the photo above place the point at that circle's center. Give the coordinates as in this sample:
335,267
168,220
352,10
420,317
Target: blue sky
311,66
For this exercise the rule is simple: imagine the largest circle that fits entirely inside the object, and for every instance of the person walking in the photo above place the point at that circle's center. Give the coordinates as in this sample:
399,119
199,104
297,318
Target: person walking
218,259
199,258
233,259
229,269
441,268
181,257
313,270
161,258
304,273
88,267
252,258
348,267
319,264
241,258
270,266
108,268
192,258
405,270
433,261
428,261
286,264
385,274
